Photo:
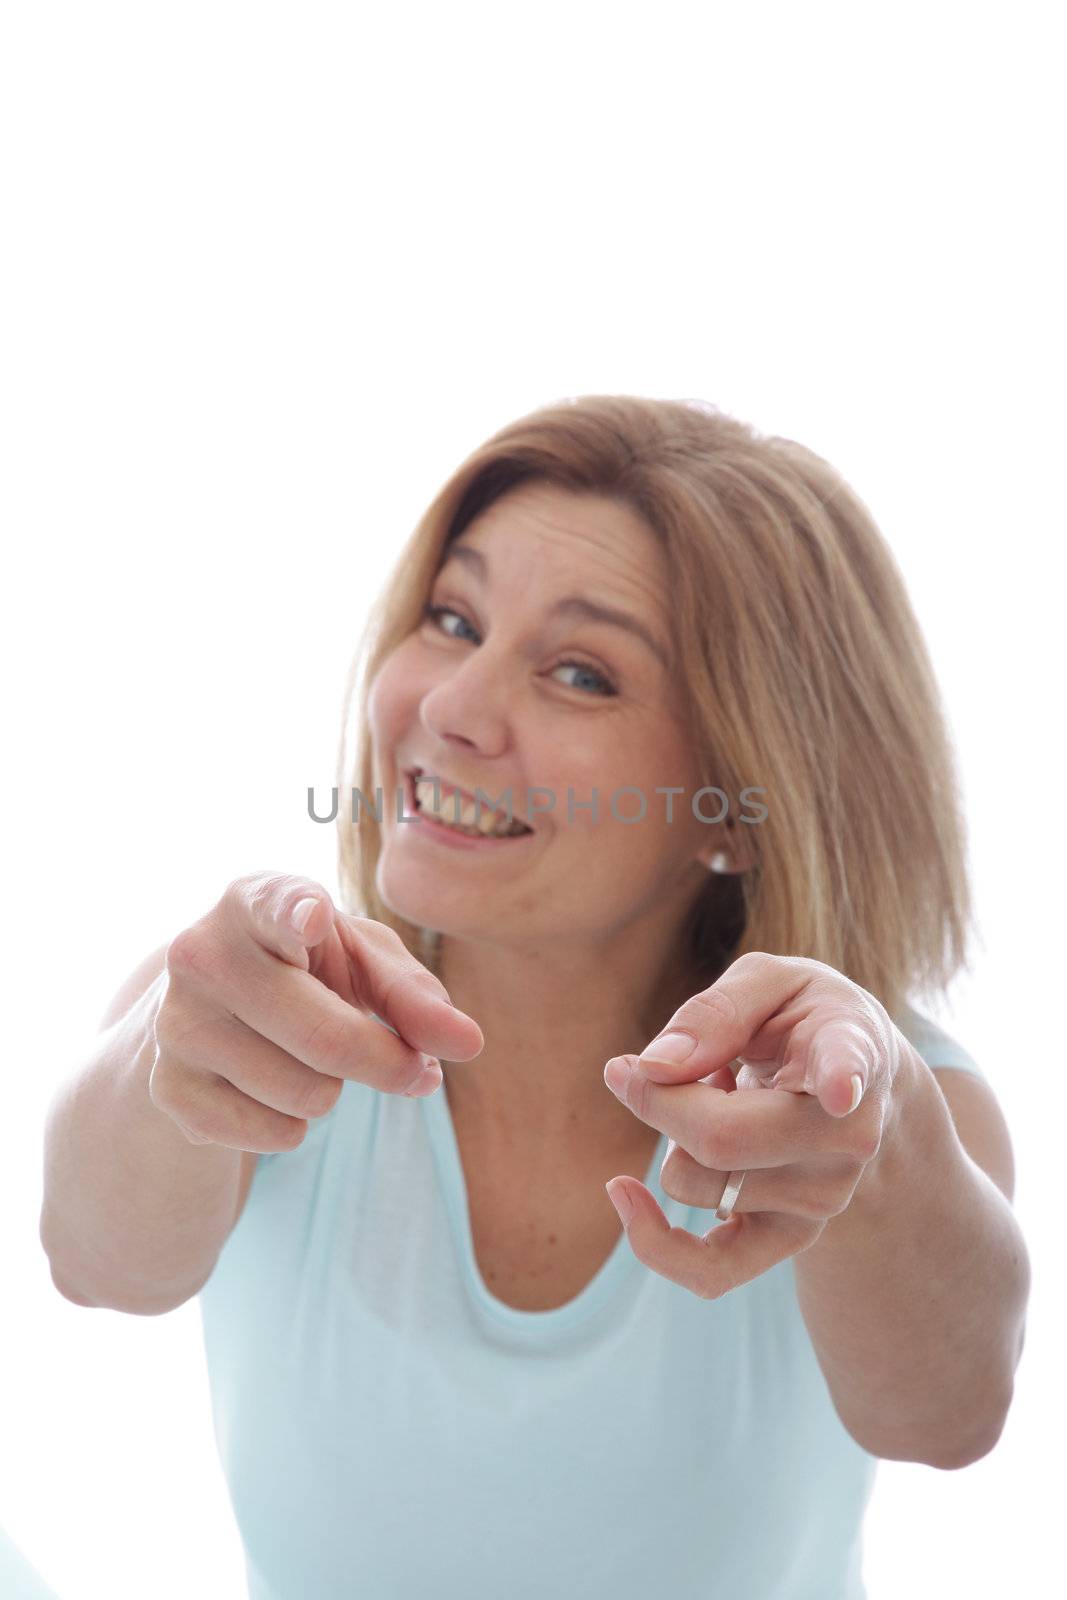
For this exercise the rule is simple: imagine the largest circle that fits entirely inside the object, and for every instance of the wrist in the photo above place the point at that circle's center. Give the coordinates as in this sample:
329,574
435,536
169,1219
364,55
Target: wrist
917,1136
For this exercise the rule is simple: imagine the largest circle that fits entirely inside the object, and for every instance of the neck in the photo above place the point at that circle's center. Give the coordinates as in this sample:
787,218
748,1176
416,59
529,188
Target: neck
551,1020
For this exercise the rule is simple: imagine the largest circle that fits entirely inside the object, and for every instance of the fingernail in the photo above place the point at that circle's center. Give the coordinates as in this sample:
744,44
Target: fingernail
622,1203
669,1047
857,1091
301,914
617,1074
430,1078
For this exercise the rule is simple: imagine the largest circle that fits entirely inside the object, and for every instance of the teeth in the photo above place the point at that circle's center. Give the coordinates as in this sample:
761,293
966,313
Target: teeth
488,822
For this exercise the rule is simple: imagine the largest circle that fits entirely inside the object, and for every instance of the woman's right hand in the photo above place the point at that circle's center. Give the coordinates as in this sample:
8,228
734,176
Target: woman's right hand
266,1011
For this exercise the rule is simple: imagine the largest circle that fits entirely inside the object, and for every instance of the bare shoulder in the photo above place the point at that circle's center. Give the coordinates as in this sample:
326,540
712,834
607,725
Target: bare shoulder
980,1124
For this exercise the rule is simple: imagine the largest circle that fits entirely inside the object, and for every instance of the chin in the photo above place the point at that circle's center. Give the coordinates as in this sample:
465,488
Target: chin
411,896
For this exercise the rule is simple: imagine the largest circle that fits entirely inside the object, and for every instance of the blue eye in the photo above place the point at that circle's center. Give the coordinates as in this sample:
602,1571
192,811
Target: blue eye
579,666
434,614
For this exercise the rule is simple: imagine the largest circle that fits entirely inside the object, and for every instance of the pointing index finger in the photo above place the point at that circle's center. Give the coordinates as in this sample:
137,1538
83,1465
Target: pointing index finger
725,1130
745,1012
406,995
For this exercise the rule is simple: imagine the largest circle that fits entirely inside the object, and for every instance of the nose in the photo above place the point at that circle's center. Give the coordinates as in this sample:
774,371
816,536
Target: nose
471,702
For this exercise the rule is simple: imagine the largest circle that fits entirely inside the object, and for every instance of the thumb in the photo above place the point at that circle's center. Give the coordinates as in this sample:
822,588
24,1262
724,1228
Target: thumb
681,1057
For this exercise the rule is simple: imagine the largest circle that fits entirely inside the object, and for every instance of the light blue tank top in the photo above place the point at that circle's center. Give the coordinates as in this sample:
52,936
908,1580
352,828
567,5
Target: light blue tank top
18,1579
390,1430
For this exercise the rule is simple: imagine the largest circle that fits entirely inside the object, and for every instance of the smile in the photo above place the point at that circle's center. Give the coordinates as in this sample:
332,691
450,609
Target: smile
443,810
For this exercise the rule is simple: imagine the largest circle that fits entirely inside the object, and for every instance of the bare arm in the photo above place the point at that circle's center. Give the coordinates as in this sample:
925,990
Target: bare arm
218,1048
134,1215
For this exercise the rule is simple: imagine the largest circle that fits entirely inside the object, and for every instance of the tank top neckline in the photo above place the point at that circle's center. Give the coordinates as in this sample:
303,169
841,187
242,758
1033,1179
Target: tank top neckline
606,1281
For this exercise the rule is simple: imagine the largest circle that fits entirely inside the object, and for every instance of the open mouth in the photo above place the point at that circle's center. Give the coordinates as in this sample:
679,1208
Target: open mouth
473,821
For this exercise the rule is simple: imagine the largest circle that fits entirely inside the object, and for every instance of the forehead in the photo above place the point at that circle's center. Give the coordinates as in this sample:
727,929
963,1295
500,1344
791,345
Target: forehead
576,534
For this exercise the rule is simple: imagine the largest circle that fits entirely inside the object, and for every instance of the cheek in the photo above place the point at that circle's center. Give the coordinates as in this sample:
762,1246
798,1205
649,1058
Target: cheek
601,841
627,763
393,694
637,768
573,769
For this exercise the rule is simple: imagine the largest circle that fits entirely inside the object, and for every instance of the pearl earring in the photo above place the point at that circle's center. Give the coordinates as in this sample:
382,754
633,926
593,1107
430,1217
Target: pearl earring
719,862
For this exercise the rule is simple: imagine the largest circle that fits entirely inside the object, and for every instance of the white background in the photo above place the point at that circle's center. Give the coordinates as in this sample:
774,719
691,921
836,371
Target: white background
270,272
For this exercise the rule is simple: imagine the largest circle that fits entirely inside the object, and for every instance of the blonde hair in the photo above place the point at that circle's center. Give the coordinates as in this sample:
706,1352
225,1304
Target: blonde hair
804,669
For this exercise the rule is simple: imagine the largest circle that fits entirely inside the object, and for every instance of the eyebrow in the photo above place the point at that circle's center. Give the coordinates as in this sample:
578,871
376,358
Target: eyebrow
573,605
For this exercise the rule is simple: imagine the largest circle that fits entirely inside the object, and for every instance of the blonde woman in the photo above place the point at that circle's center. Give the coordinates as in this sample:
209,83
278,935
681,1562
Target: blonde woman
674,664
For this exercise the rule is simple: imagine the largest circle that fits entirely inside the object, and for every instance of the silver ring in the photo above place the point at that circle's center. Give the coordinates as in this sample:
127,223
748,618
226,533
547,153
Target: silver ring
729,1195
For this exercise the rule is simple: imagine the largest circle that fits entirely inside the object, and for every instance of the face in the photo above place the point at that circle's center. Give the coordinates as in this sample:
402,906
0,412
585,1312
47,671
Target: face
503,688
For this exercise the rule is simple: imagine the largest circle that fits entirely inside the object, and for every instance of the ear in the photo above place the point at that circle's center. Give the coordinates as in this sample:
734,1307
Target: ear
728,851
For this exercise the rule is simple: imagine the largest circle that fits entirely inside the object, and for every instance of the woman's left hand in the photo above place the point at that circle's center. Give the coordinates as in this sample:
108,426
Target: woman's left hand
806,1118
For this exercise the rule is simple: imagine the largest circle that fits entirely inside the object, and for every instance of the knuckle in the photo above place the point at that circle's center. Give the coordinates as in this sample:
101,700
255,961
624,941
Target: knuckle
291,1136
670,1162
711,1288
168,1090
722,1146
820,1201
409,970
802,1234
758,960
193,957
406,1079
718,1004
326,1043
172,1023
834,1201
405,967
239,890
639,1096
166,1093
264,890
681,1187
183,950
866,1145
319,1095
823,984
669,1186
818,969
751,958
195,1138
193,1126
381,933
672,1177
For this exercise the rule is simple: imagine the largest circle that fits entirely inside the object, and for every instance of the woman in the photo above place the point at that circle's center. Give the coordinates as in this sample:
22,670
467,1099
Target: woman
437,1365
